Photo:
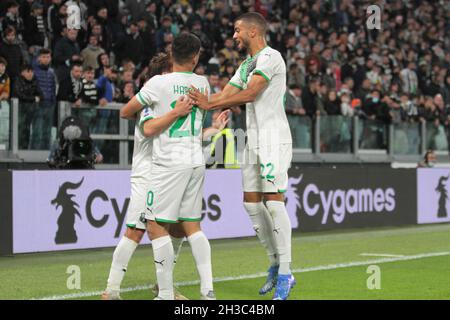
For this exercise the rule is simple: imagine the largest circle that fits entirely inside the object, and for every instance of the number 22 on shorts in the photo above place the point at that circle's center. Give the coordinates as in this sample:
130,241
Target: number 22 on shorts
268,168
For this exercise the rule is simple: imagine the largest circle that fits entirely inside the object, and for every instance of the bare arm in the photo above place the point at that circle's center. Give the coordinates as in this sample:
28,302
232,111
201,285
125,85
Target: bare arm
130,110
228,91
255,87
202,99
157,125
218,125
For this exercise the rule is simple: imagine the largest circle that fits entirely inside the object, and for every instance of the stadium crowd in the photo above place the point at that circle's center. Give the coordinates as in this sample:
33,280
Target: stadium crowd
335,65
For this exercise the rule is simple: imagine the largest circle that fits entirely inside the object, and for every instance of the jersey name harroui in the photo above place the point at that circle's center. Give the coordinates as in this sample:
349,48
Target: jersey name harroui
180,146
267,123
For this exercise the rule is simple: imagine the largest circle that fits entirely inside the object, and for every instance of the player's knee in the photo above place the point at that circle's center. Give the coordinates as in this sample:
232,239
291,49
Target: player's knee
156,230
177,231
252,197
274,197
191,227
134,234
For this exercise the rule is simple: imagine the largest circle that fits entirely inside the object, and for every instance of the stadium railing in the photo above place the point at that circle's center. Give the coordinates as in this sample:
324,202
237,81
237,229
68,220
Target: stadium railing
324,139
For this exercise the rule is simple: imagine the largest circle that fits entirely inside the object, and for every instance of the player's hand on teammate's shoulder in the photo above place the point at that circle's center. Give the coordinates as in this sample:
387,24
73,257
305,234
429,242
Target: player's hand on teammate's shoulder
200,99
183,106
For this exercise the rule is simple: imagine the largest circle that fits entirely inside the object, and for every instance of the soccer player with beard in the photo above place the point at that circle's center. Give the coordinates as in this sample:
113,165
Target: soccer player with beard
260,83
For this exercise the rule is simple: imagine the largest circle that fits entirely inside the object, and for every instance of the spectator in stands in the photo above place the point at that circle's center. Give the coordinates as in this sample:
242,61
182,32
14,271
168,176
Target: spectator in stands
70,87
66,52
5,83
125,77
105,87
207,47
226,27
396,112
330,49
89,99
13,19
104,33
130,46
27,90
332,104
409,78
164,35
11,51
103,62
57,21
89,92
228,51
214,82
310,97
148,38
36,29
295,76
295,112
376,108
97,30
136,8
429,160
364,90
43,121
91,52
210,25
127,93
149,14
348,106
53,21
446,91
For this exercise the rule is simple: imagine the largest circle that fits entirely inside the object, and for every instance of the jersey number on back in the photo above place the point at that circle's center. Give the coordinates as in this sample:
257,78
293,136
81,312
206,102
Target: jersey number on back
175,132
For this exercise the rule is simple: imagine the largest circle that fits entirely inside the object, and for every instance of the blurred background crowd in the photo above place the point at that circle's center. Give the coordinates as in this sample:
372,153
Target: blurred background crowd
337,68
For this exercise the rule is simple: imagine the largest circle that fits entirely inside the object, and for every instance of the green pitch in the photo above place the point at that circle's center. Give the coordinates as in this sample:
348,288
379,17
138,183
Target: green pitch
414,263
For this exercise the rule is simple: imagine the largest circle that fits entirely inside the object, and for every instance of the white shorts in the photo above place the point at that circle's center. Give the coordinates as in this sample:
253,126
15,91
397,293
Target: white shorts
266,168
175,196
136,210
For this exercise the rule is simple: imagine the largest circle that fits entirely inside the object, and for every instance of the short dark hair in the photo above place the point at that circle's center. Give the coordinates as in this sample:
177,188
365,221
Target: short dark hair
12,4
254,18
88,68
44,51
26,67
184,47
76,64
3,61
8,30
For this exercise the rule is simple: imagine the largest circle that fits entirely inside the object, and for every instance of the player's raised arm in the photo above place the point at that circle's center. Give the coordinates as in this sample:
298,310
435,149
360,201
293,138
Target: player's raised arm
154,126
233,96
218,125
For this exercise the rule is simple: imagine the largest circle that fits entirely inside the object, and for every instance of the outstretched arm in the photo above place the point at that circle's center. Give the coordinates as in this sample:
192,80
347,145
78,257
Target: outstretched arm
255,87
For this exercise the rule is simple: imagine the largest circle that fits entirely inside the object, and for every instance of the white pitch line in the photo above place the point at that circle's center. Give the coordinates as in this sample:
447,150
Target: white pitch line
381,255
258,275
